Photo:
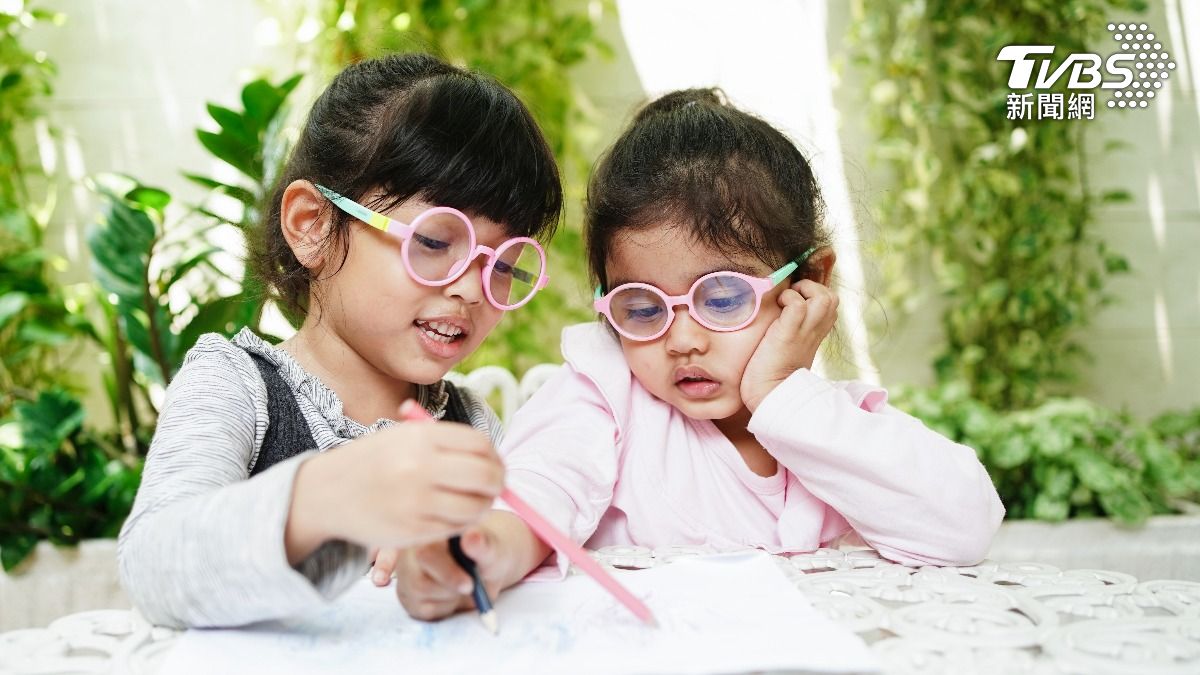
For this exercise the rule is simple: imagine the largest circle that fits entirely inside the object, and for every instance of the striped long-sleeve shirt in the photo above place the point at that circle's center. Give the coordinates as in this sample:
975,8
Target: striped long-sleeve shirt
204,545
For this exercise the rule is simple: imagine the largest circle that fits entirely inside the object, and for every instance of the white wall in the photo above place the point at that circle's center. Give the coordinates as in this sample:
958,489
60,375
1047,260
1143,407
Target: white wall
1147,346
134,76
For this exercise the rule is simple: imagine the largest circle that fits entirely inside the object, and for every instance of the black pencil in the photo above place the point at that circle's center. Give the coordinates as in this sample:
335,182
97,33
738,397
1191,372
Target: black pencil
482,602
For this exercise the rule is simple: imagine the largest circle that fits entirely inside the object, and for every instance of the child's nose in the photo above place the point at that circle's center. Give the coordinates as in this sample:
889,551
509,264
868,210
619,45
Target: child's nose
686,335
469,286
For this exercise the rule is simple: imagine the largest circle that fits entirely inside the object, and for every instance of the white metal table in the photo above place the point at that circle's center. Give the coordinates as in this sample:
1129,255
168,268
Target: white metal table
990,618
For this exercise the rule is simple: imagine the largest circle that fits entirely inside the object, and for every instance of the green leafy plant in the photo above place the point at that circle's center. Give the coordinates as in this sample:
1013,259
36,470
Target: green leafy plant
1069,457
532,47
251,140
35,322
1001,207
59,482
158,287
1180,431
158,275
26,79
40,324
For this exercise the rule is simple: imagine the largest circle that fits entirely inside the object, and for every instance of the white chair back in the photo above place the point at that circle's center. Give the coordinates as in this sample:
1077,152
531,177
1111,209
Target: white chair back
488,380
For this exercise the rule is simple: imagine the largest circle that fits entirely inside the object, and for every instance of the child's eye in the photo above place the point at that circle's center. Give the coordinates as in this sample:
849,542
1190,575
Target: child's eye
504,269
430,243
643,313
730,303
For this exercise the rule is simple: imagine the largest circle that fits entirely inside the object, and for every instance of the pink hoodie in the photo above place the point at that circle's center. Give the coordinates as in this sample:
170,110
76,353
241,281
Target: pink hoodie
609,463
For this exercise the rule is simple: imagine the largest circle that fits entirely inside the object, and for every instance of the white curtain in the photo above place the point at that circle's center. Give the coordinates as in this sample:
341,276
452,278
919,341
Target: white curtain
770,57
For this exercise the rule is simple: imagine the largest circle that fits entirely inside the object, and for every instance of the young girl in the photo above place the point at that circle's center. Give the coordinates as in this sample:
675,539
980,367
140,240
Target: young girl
691,416
241,516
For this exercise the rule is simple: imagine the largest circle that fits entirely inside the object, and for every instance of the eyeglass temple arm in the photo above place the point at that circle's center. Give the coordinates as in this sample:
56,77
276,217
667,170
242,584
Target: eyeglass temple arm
377,220
786,271
779,275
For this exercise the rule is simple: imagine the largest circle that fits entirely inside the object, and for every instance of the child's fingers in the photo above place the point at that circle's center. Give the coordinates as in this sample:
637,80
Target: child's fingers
427,606
811,289
415,585
459,438
429,610
816,293
795,309
457,508
479,544
821,301
471,474
440,567
385,564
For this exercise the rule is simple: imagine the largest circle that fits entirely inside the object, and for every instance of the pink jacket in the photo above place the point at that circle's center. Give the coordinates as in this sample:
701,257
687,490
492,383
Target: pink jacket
609,463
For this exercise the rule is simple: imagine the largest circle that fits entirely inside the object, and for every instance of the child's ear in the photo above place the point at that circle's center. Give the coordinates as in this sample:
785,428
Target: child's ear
819,267
304,217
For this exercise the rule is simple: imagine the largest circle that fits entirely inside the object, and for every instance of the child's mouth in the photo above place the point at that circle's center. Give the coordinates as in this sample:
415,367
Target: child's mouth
697,387
440,331
695,382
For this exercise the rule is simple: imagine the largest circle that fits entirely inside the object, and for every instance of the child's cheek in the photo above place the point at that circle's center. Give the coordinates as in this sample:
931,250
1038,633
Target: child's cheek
644,363
486,321
742,344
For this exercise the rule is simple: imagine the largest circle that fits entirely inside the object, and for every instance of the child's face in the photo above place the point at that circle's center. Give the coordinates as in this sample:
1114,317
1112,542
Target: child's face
392,321
666,257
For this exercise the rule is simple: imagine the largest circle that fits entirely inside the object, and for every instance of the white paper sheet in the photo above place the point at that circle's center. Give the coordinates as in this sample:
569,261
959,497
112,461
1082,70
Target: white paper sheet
716,614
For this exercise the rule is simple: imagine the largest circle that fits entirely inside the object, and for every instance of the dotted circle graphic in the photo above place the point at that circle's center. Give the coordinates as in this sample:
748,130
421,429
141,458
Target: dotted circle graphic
1150,62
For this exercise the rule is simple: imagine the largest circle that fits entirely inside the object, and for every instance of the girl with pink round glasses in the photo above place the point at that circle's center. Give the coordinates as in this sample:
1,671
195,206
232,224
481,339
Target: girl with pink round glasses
690,414
403,226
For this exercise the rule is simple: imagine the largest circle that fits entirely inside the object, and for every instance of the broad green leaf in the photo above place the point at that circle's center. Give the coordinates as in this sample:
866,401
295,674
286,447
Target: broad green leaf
149,197
239,193
233,124
239,155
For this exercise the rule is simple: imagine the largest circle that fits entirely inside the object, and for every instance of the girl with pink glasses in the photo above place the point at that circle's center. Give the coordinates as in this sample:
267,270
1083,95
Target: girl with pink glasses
689,415
403,226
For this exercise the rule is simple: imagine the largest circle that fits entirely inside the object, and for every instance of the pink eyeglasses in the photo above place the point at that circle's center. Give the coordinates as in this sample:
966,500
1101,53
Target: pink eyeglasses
721,301
440,244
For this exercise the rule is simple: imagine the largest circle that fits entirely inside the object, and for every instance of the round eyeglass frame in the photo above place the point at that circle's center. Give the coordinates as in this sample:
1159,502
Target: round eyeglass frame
760,285
404,232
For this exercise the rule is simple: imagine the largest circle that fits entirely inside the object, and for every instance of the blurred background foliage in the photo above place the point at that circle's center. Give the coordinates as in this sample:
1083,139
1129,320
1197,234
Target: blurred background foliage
1003,211
58,481
34,322
1003,208
158,284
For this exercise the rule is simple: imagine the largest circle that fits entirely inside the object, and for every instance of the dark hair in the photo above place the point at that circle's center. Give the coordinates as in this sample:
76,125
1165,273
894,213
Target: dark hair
412,125
692,158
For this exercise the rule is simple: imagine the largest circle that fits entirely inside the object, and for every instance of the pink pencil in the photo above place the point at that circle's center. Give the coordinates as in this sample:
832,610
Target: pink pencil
563,544
559,541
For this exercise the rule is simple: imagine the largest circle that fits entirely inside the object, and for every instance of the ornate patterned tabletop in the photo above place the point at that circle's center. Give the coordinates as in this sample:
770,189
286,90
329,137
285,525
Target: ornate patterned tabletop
990,618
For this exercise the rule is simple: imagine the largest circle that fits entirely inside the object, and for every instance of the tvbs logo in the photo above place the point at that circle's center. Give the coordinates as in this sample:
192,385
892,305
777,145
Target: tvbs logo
1084,68
1133,74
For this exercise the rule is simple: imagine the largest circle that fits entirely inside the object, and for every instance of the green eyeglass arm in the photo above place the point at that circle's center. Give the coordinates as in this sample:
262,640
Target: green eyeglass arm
786,271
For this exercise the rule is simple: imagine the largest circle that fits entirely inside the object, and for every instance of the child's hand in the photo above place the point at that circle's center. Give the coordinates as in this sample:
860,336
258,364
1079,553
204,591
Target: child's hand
431,585
402,486
791,341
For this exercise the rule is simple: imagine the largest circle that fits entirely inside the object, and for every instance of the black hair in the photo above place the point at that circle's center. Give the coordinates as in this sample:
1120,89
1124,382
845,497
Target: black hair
411,125
693,159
